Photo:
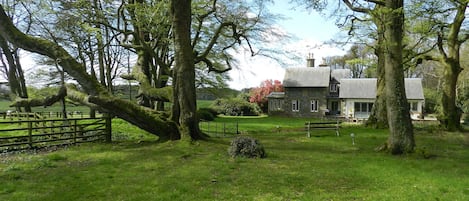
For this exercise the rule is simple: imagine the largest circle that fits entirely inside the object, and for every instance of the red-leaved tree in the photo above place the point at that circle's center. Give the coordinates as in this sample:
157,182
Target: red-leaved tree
259,94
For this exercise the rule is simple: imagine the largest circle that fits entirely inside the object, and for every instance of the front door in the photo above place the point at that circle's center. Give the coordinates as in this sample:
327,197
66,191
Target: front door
334,107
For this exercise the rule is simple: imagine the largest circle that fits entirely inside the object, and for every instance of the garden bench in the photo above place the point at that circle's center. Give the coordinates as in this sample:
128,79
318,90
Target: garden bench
332,125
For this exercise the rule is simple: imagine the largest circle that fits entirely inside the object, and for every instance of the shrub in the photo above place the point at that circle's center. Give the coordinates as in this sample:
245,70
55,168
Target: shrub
207,114
236,107
246,147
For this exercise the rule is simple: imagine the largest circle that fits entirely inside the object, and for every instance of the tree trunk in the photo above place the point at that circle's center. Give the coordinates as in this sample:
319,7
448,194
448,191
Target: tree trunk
401,139
451,114
378,117
184,71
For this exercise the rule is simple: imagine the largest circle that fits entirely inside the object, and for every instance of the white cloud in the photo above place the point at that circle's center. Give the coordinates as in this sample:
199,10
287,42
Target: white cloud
253,70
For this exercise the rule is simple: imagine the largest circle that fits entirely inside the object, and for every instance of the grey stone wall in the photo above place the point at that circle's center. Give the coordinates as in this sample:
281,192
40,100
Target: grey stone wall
305,96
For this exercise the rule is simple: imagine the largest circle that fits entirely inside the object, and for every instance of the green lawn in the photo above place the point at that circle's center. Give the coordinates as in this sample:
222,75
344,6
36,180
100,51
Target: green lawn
323,167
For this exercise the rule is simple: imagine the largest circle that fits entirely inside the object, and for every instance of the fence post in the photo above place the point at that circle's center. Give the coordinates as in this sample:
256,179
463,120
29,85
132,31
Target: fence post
108,133
30,133
75,130
224,129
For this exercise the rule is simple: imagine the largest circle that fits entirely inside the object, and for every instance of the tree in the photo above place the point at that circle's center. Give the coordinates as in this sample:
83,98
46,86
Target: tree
401,139
259,94
188,51
11,63
388,16
448,16
358,59
184,105
153,122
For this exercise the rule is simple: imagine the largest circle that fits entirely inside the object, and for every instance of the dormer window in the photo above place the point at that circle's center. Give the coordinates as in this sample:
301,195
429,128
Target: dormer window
333,87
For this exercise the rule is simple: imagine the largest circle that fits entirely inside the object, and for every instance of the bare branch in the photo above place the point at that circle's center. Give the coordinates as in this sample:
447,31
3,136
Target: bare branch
354,8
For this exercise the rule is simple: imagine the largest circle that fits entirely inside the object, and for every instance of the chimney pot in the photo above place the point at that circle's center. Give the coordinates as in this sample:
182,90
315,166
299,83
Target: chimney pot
310,60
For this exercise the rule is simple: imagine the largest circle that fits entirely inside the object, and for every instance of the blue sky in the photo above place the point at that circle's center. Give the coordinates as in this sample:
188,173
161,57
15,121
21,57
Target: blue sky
304,23
310,30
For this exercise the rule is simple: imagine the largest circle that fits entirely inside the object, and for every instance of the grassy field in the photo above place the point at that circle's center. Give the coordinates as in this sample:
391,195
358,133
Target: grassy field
323,167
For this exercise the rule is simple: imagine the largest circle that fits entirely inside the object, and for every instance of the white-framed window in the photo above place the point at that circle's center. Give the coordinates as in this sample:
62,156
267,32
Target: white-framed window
314,105
363,107
413,106
295,105
333,88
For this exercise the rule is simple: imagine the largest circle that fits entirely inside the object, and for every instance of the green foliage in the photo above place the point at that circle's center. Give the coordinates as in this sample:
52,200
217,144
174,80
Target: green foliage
246,147
42,92
432,100
207,114
236,107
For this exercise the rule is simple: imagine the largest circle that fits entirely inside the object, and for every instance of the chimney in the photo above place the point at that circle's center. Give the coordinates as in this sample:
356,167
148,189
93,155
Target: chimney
310,60
324,63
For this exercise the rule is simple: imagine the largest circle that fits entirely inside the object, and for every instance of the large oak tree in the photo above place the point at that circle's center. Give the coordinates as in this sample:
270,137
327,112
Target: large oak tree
230,31
388,16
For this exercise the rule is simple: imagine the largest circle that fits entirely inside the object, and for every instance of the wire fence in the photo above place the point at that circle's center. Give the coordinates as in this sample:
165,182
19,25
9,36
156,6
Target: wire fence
220,129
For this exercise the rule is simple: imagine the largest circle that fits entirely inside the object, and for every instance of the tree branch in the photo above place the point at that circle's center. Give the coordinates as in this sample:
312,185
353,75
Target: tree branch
48,101
354,8
49,49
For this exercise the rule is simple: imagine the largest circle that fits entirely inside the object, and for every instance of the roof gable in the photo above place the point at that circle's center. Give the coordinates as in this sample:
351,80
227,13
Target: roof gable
307,77
413,88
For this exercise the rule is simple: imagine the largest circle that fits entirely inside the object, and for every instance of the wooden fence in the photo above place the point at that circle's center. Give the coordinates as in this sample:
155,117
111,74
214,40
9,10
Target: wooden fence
15,115
38,133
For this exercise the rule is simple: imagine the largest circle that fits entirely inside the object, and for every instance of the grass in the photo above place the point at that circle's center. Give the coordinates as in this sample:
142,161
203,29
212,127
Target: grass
324,167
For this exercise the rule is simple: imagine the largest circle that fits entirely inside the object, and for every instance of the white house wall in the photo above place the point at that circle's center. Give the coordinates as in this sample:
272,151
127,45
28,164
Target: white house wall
348,106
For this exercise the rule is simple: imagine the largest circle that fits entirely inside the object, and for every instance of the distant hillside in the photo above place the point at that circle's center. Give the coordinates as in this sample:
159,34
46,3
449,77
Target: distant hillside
214,93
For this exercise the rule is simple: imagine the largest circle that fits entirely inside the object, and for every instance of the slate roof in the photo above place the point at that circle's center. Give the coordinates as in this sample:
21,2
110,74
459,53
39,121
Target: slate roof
413,88
365,88
339,74
362,88
307,77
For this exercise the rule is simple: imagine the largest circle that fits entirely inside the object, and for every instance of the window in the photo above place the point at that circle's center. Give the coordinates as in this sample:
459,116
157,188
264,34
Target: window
413,106
363,107
314,105
295,105
275,105
333,88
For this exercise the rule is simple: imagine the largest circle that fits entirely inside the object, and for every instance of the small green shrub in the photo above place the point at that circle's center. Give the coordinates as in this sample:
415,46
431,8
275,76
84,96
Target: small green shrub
246,147
207,114
236,107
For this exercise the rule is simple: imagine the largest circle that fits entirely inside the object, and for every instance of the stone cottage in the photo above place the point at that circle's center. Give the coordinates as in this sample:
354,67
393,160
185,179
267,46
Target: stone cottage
322,91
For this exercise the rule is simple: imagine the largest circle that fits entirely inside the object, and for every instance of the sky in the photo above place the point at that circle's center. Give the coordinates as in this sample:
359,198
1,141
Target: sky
310,31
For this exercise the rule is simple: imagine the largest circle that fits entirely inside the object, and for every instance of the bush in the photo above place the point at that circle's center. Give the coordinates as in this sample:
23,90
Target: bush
246,147
207,114
236,107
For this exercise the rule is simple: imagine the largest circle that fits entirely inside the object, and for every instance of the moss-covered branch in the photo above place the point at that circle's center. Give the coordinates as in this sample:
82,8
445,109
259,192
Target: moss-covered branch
159,94
48,101
155,123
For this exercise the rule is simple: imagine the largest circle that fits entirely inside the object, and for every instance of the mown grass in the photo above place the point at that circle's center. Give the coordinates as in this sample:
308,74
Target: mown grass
323,167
